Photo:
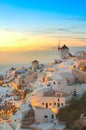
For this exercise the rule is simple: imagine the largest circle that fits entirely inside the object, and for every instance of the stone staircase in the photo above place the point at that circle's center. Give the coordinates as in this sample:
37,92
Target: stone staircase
28,119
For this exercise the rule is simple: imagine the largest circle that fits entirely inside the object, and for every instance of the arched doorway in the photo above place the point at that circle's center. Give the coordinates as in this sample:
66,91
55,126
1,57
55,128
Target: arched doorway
46,105
84,128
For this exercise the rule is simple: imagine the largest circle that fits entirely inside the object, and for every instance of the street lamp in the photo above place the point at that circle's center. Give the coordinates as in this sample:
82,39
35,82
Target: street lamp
6,106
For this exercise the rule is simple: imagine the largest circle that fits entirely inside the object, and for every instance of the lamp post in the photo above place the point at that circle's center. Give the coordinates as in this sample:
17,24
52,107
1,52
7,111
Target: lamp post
6,108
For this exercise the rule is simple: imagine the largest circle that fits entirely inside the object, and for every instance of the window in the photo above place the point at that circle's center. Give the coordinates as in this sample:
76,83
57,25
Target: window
50,104
58,99
58,95
59,83
58,104
46,105
62,104
43,103
52,116
54,83
54,103
45,116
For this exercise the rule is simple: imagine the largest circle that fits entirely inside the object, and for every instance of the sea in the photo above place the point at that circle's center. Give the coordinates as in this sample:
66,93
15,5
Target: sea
24,59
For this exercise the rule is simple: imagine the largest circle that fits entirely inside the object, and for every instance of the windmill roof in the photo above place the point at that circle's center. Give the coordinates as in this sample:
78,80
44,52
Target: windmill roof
34,61
64,47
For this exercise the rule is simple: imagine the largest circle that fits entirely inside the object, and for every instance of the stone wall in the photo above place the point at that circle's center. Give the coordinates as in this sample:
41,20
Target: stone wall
80,124
81,75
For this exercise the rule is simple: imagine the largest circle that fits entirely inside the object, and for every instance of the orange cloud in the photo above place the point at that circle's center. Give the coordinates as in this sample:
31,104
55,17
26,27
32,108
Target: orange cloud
22,41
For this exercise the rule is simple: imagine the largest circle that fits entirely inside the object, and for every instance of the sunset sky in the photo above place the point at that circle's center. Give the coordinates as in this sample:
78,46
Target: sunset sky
40,24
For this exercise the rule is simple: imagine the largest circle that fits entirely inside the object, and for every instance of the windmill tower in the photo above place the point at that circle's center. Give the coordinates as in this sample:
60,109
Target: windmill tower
64,52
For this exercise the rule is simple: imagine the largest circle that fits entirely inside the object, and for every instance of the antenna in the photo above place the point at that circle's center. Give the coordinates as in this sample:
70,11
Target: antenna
59,45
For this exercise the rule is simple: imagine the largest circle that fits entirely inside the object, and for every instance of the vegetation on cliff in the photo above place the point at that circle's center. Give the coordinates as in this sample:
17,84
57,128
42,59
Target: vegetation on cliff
72,112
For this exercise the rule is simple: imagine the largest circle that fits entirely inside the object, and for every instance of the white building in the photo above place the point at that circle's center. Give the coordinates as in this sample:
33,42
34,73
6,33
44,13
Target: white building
35,65
43,115
60,80
50,98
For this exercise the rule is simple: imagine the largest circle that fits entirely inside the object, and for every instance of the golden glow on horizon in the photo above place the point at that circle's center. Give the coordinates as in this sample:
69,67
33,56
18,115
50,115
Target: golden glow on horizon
21,41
